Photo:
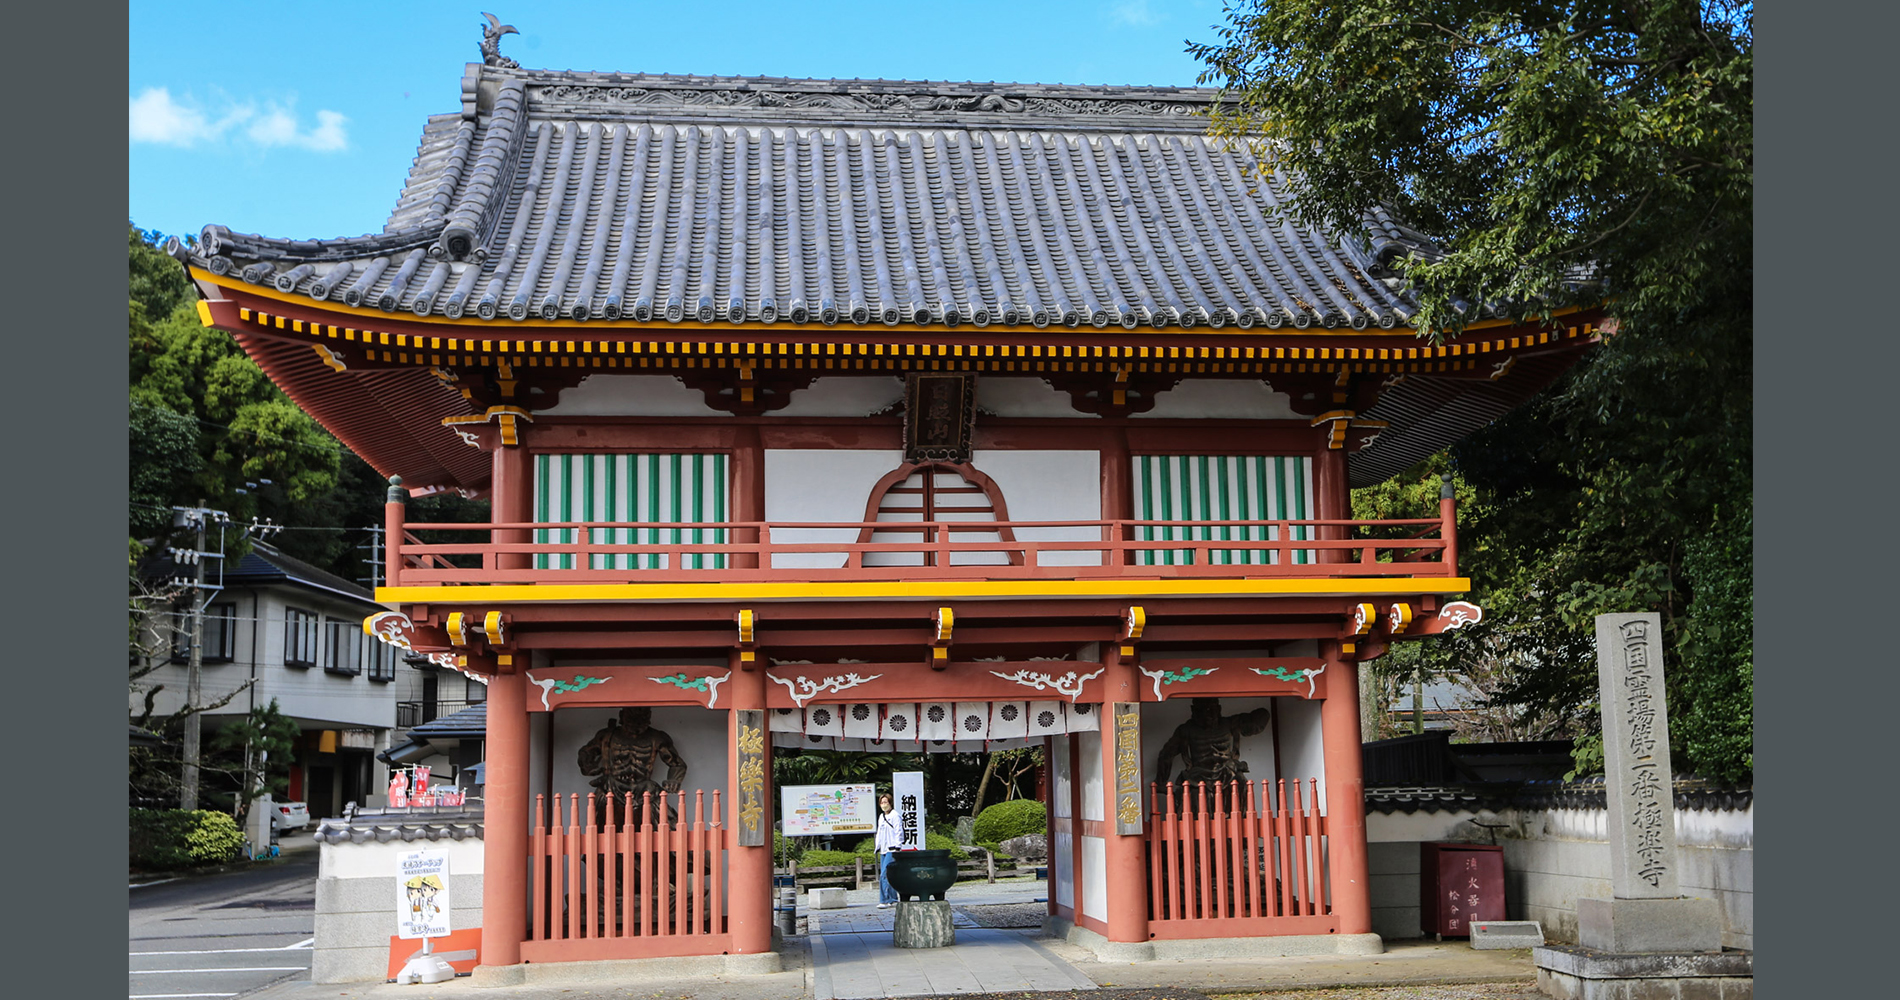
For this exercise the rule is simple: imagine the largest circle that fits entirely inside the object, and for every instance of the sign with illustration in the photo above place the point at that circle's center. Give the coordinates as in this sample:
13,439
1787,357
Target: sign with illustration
823,810
422,894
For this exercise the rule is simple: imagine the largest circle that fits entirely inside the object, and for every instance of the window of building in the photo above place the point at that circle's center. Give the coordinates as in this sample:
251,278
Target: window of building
341,653
220,635
300,638
380,658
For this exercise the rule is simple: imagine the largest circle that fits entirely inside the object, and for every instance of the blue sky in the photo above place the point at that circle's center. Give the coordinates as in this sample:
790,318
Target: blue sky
300,120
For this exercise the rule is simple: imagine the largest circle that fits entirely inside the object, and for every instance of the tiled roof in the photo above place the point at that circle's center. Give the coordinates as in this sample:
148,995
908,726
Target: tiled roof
700,200
469,722
383,826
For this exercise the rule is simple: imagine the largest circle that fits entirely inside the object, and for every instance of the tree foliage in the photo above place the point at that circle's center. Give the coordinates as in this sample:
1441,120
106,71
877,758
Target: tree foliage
1559,154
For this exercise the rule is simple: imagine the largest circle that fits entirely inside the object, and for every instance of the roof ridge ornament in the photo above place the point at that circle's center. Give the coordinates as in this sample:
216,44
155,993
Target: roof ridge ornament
491,43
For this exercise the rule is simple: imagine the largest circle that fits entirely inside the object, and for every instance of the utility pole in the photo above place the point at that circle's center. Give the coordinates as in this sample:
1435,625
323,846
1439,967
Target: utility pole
195,517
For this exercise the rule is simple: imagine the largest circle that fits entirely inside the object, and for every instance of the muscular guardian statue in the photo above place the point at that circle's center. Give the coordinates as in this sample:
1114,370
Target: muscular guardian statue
624,757
1209,744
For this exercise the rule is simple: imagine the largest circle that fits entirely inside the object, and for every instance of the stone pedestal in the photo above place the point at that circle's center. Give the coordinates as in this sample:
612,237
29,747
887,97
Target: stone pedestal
923,923
825,899
1684,924
1572,973
1502,935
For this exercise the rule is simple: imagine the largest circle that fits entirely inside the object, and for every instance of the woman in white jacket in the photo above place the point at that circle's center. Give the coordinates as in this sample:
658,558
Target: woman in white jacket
887,841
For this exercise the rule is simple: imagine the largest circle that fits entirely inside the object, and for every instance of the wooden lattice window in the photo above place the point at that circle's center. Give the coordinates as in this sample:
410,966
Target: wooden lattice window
936,497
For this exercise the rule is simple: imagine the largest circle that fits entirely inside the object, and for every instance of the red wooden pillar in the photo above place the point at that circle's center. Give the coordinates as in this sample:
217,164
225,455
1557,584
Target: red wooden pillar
748,490
512,502
1126,870
1331,495
505,820
1345,793
749,869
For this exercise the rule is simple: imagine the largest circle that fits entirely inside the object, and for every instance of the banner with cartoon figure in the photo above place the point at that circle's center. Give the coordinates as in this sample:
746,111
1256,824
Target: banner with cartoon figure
422,894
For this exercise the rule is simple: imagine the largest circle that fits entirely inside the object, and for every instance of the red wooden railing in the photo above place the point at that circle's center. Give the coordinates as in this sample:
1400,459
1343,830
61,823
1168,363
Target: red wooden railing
1236,859
605,882
760,551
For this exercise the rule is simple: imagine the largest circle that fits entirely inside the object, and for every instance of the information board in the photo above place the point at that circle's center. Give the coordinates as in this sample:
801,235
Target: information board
822,810
422,894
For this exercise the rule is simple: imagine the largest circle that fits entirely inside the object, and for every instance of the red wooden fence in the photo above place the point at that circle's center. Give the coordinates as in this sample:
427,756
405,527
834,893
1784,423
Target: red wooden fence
1237,859
616,876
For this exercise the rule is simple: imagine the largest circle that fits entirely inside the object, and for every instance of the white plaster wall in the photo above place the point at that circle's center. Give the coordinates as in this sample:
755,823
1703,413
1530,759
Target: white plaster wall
1301,748
1050,486
1095,877
815,485
1089,763
1554,857
632,396
1226,399
1023,397
356,904
1061,770
845,397
1062,869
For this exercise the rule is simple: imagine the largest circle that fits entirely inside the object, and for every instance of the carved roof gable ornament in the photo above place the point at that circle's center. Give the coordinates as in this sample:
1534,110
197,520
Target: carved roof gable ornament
491,43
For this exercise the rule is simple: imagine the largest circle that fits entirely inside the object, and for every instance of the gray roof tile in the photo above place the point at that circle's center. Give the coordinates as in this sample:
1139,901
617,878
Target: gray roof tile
703,200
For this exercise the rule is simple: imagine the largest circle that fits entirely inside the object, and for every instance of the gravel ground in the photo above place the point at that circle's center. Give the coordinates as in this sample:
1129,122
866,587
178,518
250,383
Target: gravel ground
1006,915
1526,990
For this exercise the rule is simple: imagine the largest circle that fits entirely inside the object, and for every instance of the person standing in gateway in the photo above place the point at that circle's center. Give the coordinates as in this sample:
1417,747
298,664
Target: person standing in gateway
887,843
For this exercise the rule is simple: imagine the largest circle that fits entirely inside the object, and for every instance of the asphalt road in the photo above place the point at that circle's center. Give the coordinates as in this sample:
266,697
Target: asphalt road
227,934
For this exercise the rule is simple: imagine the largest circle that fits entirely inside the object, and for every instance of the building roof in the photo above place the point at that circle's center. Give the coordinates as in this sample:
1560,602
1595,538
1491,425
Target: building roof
264,564
700,200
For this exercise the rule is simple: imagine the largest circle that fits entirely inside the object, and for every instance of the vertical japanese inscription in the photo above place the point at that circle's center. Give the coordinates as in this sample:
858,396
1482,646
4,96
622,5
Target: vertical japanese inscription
1636,757
1127,725
751,752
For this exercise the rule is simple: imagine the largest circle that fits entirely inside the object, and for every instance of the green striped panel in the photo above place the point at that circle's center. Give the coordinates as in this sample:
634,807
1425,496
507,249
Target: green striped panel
649,489
1223,488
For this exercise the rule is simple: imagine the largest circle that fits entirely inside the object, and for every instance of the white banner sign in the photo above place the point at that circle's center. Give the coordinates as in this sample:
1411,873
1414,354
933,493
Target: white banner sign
908,792
822,810
422,894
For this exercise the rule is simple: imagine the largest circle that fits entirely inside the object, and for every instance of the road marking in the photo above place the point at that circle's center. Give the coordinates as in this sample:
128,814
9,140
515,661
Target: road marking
269,968
304,944
141,885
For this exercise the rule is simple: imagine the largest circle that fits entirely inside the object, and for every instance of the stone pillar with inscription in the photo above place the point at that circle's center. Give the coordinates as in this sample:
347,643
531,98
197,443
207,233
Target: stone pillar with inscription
1647,936
1647,911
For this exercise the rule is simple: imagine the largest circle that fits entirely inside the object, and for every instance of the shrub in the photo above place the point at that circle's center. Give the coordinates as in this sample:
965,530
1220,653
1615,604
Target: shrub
938,842
1010,819
167,839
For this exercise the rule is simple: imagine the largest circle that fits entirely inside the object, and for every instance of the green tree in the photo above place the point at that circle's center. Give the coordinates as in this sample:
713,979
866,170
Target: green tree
1560,154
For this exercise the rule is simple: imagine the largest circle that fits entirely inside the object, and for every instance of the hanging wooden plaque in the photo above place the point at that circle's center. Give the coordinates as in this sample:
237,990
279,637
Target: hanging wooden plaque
939,415
751,756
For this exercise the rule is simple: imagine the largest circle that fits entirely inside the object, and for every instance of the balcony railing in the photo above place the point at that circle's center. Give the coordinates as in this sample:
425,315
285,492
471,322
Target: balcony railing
571,552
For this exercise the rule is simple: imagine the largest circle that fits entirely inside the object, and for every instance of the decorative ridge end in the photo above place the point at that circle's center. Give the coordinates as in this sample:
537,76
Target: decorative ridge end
491,43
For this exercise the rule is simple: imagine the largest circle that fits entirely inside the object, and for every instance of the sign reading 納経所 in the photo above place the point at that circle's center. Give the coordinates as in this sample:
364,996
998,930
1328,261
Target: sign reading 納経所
907,789
823,810
422,894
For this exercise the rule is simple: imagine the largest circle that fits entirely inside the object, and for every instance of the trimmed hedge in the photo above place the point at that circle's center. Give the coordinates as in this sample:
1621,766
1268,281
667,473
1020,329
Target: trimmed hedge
933,841
169,839
1010,819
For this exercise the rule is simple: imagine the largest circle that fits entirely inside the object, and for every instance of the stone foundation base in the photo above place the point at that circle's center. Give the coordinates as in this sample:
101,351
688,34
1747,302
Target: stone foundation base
1576,973
624,970
1280,946
923,923
1637,926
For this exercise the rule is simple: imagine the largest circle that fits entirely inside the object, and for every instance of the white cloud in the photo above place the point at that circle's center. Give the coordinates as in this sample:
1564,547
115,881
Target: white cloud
158,118
1132,12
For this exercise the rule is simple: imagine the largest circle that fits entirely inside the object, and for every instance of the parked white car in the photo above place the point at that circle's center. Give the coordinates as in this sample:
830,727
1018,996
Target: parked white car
288,816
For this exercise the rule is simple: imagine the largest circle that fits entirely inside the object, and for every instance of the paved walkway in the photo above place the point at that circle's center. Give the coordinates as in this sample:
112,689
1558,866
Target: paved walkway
859,966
